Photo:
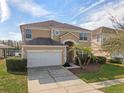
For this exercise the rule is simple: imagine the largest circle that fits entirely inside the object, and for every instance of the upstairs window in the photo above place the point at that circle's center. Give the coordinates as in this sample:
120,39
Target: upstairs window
98,38
84,36
56,33
28,34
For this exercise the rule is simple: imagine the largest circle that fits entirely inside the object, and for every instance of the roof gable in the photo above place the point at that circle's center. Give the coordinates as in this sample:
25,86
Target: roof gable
104,30
55,24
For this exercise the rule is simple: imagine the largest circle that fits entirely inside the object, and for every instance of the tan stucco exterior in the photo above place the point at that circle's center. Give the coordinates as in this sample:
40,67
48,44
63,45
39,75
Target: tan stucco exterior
44,47
74,37
41,33
1,53
97,46
69,36
48,32
64,36
37,33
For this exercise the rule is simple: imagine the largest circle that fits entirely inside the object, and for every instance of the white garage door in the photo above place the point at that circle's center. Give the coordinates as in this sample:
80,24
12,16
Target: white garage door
44,58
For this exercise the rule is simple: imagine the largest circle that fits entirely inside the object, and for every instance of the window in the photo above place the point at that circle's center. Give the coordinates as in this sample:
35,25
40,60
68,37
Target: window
83,36
98,38
28,33
56,33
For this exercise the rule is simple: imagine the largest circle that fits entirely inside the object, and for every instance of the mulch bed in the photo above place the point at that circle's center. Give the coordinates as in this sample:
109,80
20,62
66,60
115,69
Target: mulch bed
90,68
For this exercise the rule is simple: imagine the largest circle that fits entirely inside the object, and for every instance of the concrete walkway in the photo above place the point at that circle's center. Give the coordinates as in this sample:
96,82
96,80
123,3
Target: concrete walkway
56,80
102,84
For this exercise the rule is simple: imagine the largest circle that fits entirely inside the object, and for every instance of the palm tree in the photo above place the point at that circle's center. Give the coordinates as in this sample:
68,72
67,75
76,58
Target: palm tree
82,50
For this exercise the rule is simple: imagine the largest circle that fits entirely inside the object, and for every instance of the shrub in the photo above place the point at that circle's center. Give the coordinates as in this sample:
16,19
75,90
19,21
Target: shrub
81,58
116,60
16,64
93,59
101,59
66,64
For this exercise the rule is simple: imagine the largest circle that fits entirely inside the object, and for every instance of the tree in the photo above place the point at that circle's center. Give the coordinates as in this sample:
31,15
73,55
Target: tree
115,43
79,50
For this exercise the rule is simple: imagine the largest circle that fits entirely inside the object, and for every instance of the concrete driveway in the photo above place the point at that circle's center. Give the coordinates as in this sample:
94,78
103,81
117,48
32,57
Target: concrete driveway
56,79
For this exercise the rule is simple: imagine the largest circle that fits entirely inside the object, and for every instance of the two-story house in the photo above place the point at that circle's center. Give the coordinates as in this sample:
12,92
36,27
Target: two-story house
47,43
98,37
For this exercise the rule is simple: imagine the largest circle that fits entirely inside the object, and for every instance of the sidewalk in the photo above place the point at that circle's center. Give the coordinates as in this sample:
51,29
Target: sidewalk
102,84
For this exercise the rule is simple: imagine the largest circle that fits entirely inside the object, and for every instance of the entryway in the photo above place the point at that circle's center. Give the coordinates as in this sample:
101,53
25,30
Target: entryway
70,53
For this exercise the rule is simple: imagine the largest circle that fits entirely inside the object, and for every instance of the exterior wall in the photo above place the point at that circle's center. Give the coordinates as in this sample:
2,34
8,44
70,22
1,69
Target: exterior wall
85,44
69,36
38,33
94,36
57,37
43,47
65,37
107,35
1,53
45,32
97,46
41,33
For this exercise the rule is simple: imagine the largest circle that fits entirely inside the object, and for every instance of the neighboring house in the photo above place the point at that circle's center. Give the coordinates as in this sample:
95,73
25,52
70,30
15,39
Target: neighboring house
1,53
47,43
4,50
98,37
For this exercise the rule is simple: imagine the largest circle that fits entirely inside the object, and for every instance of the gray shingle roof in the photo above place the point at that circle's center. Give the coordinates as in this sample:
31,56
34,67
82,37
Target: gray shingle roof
42,41
55,24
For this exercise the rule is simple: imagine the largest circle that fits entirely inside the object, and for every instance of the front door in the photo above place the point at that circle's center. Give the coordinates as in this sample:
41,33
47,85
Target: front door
70,52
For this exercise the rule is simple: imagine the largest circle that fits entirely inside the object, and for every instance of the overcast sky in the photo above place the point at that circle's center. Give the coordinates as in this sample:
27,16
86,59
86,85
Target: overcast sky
88,14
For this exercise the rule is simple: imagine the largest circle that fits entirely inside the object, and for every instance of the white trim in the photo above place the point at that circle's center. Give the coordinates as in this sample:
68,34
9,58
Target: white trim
43,46
28,33
73,30
91,37
22,51
83,40
83,35
28,38
69,40
51,31
59,29
65,56
69,33
36,28
35,60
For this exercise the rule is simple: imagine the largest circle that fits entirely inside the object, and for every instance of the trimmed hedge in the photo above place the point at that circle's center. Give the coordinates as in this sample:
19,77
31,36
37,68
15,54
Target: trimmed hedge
116,60
101,59
16,64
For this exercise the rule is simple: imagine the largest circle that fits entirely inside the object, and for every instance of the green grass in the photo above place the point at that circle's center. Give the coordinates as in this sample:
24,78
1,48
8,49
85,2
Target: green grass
114,89
107,72
12,82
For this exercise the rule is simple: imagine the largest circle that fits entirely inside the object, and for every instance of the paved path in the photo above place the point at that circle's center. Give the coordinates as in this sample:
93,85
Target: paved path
56,80
102,84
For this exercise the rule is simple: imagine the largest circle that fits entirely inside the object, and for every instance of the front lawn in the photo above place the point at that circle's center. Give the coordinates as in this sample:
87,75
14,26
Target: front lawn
14,82
114,89
106,72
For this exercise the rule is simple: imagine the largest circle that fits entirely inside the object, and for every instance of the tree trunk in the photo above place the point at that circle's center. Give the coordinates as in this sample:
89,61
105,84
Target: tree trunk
80,63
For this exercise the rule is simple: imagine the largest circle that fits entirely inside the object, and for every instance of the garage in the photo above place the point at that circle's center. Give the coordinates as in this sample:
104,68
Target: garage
38,58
